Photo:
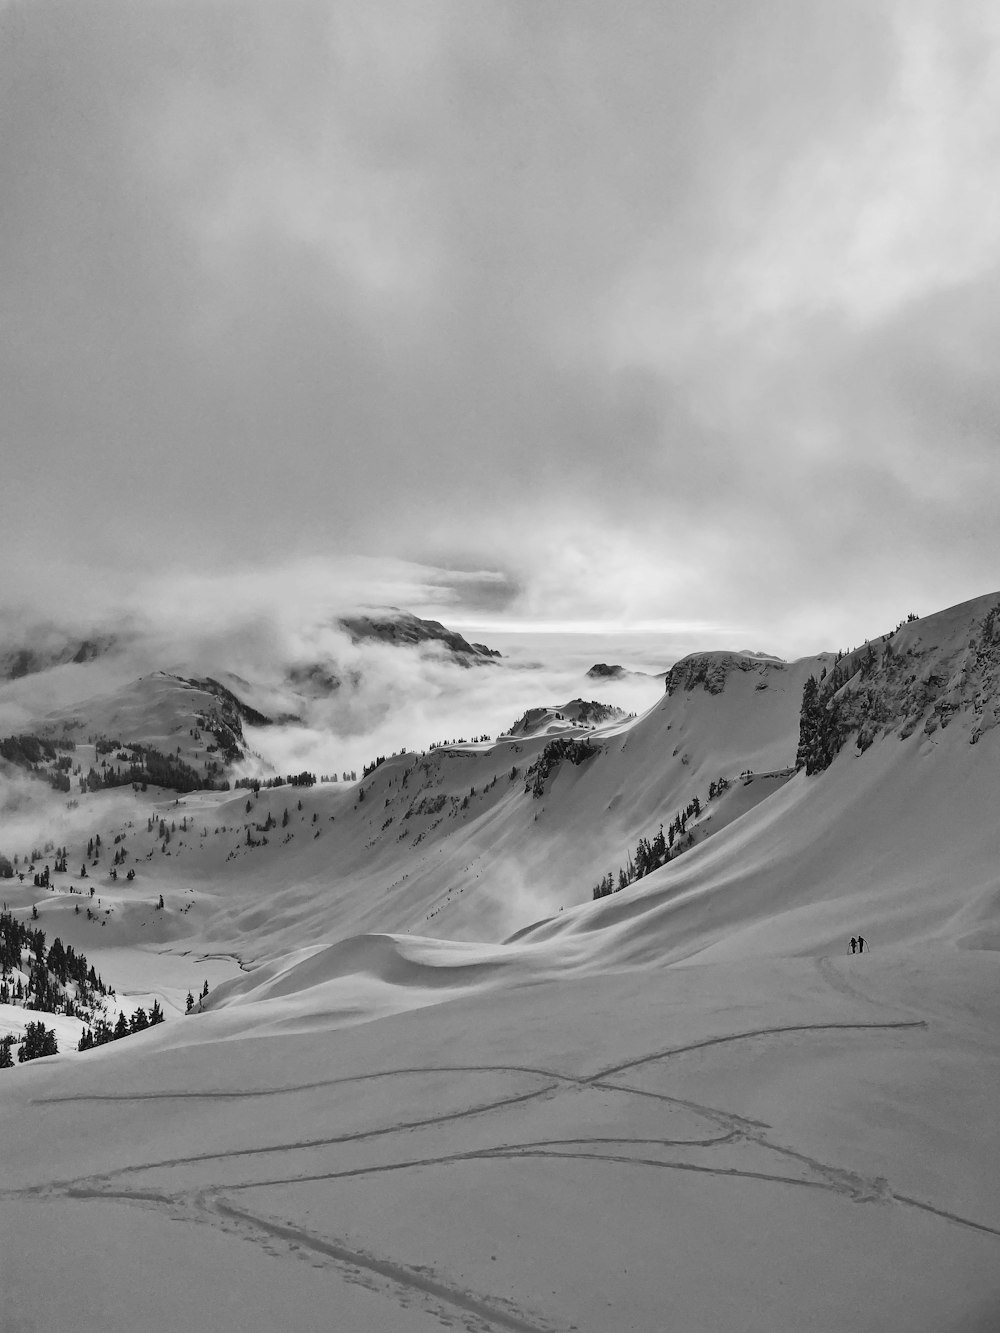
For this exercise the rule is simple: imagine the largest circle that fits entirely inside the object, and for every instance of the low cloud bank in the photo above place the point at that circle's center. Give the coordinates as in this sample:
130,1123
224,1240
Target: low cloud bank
399,698
275,638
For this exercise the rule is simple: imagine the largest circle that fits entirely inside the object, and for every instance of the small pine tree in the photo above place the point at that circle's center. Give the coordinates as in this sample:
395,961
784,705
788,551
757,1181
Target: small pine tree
38,1041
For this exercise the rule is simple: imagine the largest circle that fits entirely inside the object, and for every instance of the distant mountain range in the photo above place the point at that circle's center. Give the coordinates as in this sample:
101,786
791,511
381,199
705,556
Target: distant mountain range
605,671
402,628
730,737
49,646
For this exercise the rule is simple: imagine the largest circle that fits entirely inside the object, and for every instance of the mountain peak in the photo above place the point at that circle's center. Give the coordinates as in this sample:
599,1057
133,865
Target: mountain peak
395,626
711,670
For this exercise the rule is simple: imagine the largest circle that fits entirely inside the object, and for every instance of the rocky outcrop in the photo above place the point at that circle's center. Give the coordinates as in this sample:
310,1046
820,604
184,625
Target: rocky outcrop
712,670
925,676
405,629
604,671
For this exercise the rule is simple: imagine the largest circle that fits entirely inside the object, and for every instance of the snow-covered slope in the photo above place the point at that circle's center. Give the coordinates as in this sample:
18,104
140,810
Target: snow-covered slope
557,718
198,719
684,1104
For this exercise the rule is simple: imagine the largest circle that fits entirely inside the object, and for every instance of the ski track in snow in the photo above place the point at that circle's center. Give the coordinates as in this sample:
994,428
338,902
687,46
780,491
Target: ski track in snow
213,1204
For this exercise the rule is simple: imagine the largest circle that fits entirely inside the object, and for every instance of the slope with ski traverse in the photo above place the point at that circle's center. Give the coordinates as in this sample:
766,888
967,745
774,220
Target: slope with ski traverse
684,1105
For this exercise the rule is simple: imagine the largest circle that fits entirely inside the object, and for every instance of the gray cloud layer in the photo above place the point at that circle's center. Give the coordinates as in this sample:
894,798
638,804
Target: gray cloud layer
649,311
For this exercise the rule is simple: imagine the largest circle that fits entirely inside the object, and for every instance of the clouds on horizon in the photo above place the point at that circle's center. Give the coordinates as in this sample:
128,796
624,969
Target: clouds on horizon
679,313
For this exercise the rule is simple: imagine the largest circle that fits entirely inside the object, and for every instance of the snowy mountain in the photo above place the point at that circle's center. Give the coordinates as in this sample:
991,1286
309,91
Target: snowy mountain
611,671
428,1048
402,627
586,712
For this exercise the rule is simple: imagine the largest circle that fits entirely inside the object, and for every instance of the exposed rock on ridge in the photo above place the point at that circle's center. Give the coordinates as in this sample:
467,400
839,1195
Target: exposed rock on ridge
711,670
403,628
925,675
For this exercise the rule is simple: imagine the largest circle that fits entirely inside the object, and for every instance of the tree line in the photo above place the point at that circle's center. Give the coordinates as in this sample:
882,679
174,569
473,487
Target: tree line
303,779
652,853
49,971
102,1031
148,767
31,753
577,752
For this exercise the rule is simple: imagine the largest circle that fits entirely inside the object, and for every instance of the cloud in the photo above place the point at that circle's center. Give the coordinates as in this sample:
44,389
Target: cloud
258,627
393,699
622,317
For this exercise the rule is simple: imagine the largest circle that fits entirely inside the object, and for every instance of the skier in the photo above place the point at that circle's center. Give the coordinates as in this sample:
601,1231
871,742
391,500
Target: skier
861,944
854,945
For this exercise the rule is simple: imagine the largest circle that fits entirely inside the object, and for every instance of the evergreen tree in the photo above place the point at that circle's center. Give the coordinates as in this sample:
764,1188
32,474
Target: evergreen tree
660,847
38,1041
809,726
821,725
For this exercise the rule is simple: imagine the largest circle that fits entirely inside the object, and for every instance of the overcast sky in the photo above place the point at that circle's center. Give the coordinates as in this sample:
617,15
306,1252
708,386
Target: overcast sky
529,313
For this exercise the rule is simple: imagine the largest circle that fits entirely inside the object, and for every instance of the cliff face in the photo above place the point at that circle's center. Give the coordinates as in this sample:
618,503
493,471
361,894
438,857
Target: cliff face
711,670
925,676
927,679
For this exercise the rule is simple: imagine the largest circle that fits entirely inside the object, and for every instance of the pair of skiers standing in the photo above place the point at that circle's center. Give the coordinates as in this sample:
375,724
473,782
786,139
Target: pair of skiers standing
858,944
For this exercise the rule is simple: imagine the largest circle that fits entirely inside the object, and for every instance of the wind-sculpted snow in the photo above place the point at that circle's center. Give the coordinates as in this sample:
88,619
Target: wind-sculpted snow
405,962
